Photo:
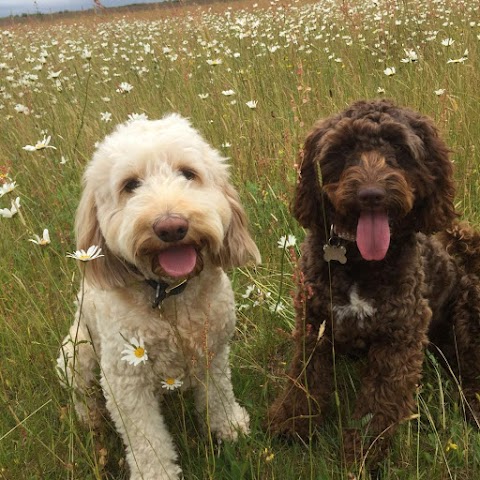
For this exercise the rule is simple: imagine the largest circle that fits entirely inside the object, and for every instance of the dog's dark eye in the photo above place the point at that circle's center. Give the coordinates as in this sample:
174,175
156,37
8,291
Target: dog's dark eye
132,184
188,174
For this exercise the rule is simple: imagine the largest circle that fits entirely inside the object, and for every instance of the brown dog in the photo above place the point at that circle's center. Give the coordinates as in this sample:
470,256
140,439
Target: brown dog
375,185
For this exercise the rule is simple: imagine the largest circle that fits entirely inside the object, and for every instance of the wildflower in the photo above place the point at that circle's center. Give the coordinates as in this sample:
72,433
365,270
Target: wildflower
228,93
105,117
390,71
53,75
10,212
251,104
22,109
215,62
124,87
86,54
380,90
457,60
203,96
287,242
40,145
268,455
277,307
171,383
134,352
248,291
451,446
226,145
439,92
63,160
133,117
447,42
7,187
92,253
411,56
43,241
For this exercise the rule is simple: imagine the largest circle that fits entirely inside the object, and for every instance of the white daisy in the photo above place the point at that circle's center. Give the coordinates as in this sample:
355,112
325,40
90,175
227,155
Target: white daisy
124,87
134,352
10,212
133,117
287,242
252,104
7,187
43,241
171,383
411,56
457,60
92,253
228,93
105,117
19,108
214,62
40,145
389,71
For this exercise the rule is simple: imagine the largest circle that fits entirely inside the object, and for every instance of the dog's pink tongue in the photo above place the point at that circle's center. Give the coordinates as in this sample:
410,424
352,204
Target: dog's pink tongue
178,261
373,235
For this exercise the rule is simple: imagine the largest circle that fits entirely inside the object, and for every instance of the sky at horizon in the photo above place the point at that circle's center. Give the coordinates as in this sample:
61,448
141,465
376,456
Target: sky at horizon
17,7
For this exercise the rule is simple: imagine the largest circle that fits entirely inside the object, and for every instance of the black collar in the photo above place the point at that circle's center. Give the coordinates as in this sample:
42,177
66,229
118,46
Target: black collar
164,290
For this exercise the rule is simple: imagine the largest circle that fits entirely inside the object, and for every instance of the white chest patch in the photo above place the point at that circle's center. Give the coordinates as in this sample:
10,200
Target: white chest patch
357,308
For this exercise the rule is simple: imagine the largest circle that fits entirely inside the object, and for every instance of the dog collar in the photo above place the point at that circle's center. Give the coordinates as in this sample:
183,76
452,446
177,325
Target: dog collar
164,290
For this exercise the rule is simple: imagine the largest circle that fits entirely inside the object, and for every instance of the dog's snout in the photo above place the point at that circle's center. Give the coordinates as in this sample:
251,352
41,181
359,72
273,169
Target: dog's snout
171,229
371,196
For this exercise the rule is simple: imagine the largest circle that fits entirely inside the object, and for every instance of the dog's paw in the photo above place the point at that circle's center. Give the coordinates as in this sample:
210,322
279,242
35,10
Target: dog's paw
360,446
236,422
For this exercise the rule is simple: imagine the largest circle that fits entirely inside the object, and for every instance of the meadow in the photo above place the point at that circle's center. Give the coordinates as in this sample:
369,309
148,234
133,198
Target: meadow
253,78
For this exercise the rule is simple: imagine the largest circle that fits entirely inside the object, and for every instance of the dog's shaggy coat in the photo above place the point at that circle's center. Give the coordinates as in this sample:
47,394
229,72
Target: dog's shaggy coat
158,201
375,185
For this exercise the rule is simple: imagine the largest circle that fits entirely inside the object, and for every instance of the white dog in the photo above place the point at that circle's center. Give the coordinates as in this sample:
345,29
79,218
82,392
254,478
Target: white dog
157,310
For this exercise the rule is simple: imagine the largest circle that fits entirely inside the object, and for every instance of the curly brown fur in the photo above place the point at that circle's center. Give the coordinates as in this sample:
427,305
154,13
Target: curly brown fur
377,181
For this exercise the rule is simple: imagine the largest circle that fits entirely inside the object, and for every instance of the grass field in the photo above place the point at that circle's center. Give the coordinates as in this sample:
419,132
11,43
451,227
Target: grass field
296,61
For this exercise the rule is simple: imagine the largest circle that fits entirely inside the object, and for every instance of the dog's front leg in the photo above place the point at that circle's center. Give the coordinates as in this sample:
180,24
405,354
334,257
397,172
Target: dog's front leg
130,398
387,395
214,398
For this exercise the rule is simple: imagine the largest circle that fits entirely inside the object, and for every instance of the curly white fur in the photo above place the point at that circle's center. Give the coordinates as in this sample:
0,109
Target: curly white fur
187,337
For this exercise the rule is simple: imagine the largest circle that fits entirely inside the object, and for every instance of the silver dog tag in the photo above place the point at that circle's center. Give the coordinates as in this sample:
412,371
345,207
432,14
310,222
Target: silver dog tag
334,252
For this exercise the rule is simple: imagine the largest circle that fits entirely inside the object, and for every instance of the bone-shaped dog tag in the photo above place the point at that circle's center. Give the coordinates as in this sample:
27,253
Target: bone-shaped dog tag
334,252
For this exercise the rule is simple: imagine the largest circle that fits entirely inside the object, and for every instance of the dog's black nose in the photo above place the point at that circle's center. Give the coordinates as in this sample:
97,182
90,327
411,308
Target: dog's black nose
171,229
372,196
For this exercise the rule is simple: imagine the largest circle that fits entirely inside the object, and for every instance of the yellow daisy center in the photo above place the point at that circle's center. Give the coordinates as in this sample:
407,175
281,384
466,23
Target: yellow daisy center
139,352
170,381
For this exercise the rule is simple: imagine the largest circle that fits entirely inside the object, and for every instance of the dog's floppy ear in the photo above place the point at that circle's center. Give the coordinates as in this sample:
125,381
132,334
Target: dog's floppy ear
435,211
103,272
238,246
310,203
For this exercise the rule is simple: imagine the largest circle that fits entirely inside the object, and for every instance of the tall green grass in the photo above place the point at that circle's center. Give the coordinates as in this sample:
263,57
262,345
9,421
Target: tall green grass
300,62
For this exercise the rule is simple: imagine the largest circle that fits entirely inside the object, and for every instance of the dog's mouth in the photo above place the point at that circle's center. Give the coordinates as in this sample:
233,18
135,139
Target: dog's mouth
177,261
373,234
